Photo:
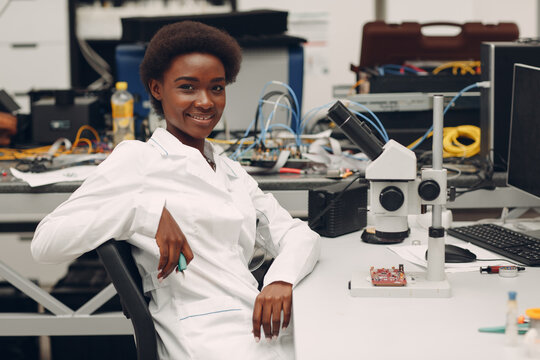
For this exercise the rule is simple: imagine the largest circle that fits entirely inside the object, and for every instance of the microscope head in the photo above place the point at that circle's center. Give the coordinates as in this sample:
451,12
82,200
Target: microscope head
391,173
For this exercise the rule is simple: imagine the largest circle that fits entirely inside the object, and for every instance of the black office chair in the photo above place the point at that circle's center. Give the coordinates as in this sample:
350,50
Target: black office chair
119,264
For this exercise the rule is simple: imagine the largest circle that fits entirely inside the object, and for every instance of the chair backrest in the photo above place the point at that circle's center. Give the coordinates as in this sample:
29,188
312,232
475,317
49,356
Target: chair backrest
120,265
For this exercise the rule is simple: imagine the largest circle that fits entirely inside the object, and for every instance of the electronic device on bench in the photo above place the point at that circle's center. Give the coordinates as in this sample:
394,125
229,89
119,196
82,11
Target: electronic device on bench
523,172
498,59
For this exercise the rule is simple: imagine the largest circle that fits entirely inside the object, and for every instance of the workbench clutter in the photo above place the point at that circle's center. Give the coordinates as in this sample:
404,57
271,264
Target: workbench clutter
420,62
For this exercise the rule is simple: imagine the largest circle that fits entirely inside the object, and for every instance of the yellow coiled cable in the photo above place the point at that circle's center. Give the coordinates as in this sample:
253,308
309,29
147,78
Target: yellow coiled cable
452,147
471,67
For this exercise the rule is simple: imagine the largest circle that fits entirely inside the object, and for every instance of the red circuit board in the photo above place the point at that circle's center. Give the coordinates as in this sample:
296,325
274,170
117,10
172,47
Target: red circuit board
388,277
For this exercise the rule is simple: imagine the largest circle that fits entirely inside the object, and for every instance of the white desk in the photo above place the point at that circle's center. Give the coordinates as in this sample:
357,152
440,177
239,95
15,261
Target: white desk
330,324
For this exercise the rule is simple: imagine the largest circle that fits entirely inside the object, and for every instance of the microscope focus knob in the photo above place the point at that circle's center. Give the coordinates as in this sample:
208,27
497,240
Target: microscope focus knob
391,198
429,190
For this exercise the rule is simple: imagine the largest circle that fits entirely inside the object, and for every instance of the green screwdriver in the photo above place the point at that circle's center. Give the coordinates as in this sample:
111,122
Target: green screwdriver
182,264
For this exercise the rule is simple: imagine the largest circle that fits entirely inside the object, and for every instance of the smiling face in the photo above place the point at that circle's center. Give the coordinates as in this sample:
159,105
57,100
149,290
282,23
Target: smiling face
192,94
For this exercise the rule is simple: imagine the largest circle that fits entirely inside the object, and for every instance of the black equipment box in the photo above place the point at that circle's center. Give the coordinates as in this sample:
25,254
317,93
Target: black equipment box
238,24
346,212
498,59
425,83
51,120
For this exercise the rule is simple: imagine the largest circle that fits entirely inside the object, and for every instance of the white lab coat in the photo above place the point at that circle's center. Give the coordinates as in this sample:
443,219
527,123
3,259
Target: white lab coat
205,313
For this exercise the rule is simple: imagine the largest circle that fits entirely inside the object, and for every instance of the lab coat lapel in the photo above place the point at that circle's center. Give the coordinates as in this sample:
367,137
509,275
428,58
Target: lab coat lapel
170,146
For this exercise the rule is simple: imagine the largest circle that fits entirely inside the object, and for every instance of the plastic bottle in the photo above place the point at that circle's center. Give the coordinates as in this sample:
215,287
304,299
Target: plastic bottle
511,330
122,114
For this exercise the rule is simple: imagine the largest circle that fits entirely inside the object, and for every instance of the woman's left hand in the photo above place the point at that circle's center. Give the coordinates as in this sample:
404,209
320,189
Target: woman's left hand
273,299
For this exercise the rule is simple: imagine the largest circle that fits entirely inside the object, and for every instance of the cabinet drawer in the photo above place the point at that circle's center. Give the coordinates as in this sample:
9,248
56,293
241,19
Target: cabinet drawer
40,66
30,21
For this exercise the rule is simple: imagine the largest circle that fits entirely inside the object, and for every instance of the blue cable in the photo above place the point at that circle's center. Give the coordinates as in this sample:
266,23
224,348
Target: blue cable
458,95
295,114
385,138
390,67
382,129
242,139
270,117
246,150
306,118
393,72
291,91
288,128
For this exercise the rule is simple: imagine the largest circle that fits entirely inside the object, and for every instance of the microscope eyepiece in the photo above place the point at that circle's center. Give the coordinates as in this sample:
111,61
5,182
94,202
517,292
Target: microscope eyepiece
356,130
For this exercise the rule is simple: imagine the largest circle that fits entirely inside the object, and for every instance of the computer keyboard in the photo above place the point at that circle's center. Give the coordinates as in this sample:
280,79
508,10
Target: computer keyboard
511,244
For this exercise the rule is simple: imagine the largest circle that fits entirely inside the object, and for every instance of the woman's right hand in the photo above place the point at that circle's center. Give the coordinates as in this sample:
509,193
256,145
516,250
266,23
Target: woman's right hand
171,242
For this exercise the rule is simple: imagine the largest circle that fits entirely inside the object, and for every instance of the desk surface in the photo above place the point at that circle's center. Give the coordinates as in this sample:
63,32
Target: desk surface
330,324
10,185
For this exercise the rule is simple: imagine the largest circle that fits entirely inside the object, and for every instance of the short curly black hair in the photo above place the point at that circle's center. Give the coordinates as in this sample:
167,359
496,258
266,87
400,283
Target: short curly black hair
186,37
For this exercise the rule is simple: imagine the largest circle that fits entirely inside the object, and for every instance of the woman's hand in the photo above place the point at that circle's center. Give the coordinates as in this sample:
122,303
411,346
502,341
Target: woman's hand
171,242
273,299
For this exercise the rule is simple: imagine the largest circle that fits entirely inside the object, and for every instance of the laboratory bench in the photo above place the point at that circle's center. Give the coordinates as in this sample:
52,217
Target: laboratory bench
329,323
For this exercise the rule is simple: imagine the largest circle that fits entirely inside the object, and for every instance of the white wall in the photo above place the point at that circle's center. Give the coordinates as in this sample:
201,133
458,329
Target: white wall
345,19
522,12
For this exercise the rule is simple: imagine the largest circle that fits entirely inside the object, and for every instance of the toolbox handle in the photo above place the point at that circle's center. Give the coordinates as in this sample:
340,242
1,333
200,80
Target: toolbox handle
441,23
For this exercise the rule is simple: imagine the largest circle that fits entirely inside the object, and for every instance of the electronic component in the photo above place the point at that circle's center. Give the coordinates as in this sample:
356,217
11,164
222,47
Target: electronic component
267,157
388,277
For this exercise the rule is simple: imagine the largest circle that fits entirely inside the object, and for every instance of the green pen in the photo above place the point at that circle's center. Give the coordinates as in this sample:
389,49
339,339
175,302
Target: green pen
182,264
522,329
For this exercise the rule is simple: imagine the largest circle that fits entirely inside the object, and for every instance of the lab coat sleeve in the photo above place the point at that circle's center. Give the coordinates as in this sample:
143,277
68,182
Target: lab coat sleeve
111,203
297,246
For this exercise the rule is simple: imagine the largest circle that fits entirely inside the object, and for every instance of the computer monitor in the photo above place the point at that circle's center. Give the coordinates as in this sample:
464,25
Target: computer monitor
524,144
498,59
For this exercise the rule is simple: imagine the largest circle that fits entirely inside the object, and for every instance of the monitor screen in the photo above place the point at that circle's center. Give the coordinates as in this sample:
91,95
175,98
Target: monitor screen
524,149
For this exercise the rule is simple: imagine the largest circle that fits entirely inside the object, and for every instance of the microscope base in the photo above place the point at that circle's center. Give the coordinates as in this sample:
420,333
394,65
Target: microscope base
417,287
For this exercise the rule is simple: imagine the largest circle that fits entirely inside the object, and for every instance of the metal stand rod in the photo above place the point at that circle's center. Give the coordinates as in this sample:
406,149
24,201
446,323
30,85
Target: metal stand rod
438,113
435,269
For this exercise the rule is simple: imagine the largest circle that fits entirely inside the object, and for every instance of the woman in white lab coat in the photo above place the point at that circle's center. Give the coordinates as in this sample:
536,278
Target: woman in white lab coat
174,194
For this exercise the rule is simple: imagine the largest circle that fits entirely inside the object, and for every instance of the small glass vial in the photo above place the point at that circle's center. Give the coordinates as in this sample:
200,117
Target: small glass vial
511,330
